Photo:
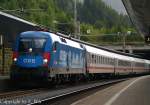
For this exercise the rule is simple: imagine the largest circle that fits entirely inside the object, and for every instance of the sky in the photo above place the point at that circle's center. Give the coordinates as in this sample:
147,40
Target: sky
117,5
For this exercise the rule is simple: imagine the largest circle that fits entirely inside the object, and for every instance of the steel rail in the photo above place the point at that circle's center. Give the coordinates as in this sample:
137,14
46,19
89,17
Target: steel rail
92,86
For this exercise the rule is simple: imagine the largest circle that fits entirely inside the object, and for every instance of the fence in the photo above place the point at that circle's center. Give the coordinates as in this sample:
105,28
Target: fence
4,69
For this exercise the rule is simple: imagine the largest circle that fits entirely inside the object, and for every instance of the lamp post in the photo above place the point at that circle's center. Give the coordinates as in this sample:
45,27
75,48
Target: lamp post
124,40
1,40
2,48
75,18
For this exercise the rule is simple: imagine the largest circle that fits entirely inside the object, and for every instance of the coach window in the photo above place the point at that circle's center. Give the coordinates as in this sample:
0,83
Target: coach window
101,59
98,59
112,61
109,61
104,59
92,58
95,59
88,58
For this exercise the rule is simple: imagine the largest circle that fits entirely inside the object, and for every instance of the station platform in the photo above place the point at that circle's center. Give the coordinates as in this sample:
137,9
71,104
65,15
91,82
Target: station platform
2,77
134,91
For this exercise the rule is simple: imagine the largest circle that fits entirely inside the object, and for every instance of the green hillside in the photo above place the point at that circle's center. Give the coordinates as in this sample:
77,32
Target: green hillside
95,17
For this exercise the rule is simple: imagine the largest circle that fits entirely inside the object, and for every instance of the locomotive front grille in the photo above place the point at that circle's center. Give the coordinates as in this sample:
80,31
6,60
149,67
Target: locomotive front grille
30,73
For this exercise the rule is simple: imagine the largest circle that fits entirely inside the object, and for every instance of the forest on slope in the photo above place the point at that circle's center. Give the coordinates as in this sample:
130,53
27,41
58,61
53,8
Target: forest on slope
97,20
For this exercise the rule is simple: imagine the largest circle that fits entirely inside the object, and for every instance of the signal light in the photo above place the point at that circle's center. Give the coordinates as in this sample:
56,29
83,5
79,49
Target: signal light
46,58
15,56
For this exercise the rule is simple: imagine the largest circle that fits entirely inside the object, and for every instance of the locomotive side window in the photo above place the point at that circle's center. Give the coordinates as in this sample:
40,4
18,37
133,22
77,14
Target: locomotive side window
55,46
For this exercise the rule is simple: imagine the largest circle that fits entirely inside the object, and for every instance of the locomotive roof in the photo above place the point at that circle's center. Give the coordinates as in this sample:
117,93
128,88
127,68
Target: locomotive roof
54,37
39,34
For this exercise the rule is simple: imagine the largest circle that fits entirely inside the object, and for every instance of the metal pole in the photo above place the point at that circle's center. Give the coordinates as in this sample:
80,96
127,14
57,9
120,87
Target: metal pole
79,30
1,40
75,18
2,47
124,42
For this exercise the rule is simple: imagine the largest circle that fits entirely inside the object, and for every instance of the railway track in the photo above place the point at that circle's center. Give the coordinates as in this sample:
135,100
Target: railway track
9,97
42,95
75,91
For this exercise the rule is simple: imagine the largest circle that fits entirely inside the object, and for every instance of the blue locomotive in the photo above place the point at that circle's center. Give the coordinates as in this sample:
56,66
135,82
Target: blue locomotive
39,55
42,55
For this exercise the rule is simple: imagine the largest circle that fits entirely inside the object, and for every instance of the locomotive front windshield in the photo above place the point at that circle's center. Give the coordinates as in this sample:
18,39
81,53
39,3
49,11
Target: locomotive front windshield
31,45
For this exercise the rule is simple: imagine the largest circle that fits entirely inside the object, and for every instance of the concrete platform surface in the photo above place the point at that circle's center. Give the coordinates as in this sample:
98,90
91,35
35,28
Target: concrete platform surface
135,91
4,77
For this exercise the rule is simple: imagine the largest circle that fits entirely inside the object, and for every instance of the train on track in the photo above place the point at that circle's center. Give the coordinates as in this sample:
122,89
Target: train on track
39,55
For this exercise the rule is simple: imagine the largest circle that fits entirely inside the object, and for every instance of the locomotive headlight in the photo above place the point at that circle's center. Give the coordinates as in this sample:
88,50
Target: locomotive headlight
45,61
15,59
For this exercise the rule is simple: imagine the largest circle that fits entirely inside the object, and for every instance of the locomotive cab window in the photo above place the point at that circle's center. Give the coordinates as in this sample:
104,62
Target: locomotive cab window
32,45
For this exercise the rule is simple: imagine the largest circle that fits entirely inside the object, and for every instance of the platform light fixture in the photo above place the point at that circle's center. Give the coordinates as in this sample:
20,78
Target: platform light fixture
1,40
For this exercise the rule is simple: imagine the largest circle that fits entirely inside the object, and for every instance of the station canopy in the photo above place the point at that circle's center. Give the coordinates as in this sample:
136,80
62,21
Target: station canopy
139,12
10,26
